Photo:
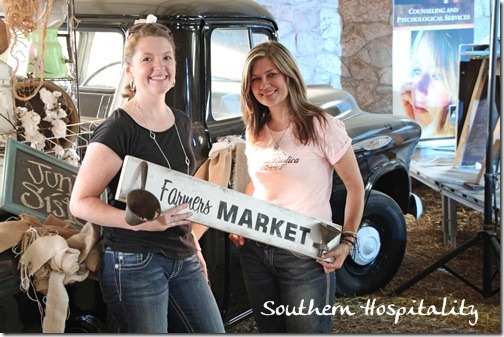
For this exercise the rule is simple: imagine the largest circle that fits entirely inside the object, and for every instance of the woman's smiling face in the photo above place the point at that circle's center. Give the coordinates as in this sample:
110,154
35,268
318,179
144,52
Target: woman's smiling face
429,91
268,84
153,64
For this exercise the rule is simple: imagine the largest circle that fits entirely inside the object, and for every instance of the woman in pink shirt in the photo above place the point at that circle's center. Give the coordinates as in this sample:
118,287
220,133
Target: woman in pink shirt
293,146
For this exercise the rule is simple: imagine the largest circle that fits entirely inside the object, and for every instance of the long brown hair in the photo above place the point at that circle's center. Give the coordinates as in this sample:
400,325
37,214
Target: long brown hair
256,114
136,32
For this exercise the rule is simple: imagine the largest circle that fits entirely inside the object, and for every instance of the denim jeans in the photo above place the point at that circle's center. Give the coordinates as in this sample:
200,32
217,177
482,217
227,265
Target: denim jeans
145,292
279,283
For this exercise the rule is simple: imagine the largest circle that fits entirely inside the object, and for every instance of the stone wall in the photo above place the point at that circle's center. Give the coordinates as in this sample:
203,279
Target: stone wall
367,53
311,30
348,45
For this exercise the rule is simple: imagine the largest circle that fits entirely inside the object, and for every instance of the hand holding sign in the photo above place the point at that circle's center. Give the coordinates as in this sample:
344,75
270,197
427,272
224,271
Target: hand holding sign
231,211
169,218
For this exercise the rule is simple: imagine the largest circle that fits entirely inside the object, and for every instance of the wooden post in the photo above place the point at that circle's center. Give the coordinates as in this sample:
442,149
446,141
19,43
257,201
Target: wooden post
471,113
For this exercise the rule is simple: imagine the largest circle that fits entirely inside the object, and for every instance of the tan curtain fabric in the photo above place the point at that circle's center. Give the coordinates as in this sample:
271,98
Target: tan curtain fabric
226,162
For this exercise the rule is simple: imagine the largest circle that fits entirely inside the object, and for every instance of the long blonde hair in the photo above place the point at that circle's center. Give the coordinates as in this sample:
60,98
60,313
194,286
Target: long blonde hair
256,114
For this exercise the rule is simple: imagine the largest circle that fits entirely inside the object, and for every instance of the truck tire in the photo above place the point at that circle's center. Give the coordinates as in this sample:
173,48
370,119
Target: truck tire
381,242
84,324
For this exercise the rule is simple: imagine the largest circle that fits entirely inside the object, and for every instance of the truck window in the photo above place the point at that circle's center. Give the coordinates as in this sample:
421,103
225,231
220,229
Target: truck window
100,59
259,37
229,48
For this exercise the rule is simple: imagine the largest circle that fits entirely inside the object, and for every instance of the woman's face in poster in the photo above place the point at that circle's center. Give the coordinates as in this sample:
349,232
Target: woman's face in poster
429,93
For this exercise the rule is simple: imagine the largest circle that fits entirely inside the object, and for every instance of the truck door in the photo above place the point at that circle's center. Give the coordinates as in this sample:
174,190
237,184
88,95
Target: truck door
228,49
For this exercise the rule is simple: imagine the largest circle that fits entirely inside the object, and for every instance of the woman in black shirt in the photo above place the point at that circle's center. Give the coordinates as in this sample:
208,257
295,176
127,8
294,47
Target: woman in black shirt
152,272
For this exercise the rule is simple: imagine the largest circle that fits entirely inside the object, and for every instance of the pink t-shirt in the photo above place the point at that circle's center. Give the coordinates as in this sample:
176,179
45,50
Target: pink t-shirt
295,176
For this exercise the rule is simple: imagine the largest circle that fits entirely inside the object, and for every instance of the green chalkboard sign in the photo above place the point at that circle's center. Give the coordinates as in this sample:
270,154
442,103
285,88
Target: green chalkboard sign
36,183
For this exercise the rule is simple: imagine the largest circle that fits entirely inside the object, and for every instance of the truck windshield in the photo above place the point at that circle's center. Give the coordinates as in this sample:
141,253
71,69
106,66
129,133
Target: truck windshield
229,48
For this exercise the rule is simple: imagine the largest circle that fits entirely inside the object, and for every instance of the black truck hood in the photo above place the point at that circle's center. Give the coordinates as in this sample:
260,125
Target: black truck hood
359,124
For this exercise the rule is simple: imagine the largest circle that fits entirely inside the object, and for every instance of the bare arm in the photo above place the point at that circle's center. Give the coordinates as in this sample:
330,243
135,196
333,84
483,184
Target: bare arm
348,170
249,190
99,166
198,230
199,253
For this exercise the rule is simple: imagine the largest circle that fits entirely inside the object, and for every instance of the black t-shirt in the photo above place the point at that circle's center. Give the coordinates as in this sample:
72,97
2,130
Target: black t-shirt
125,137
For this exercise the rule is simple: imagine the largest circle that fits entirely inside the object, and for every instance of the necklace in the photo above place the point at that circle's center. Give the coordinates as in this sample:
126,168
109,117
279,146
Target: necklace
277,143
152,135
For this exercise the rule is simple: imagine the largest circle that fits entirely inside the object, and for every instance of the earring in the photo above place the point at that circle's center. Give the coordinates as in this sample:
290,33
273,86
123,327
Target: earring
132,86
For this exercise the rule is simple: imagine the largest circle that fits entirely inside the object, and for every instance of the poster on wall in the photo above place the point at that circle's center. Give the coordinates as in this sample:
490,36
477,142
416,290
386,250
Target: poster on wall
426,39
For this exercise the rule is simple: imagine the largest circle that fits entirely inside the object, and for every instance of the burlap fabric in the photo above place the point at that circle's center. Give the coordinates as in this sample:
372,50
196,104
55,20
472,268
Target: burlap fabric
226,163
51,255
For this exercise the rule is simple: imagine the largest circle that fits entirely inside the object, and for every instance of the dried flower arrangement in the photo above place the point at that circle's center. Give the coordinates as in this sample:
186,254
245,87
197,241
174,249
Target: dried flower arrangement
48,121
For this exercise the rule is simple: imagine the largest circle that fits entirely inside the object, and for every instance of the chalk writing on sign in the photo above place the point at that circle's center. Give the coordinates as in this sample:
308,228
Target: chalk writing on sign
37,183
43,188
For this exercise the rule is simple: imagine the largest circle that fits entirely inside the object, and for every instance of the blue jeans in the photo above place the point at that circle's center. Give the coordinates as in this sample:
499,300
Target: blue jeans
284,288
146,291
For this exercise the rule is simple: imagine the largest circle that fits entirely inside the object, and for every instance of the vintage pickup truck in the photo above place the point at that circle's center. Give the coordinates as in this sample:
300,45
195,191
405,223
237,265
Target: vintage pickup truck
212,38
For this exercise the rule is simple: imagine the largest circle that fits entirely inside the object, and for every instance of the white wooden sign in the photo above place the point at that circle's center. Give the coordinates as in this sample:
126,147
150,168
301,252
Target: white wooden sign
231,211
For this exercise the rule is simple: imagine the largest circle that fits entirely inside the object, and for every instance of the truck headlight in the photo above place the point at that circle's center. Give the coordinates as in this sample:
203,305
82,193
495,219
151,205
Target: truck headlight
372,144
